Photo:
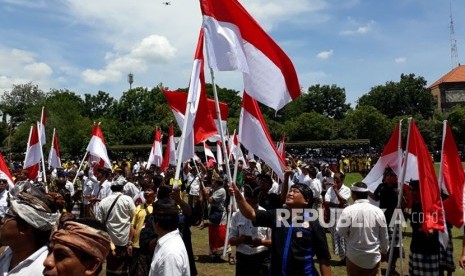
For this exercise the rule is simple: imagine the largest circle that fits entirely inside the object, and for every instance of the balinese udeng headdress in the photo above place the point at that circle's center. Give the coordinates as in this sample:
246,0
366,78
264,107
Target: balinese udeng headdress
33,206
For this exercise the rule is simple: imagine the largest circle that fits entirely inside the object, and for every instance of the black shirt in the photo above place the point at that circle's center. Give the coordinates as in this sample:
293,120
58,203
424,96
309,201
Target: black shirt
387,196
422,243
299,244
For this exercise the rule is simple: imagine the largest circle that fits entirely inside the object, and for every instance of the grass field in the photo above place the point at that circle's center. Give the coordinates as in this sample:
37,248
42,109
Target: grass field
204,267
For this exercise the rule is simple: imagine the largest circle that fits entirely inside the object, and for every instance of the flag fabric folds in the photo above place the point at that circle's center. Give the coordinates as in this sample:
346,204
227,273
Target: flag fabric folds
282,147
224,112
429,189
97,148
236,42
219,153
5,172
43,119
208,153
33,155
170,152
253,134
390,157
54,160
156,153
452,179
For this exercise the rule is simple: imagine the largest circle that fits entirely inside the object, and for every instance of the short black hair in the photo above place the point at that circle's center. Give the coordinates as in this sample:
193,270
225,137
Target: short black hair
166,214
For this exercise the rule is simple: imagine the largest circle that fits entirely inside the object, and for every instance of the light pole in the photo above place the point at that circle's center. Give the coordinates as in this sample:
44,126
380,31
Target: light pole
130,80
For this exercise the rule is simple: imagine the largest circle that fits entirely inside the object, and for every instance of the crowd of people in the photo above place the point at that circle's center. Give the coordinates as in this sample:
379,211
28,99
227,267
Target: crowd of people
137,220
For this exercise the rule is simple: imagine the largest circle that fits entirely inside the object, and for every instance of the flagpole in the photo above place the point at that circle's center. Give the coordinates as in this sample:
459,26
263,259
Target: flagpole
399,145
399,201
80,166
44,175
443,236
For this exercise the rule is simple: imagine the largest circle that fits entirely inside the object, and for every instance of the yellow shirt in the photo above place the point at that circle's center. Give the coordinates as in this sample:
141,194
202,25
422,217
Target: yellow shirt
138,222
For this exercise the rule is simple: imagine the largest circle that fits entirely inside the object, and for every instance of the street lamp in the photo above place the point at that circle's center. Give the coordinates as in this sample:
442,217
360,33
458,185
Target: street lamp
130,80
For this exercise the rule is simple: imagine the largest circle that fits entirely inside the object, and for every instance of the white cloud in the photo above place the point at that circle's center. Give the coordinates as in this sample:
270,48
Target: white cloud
400,60
325,54
359,30
19,66
154,49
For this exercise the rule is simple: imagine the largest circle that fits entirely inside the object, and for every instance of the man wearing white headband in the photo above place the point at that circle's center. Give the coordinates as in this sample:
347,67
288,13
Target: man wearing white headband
364,227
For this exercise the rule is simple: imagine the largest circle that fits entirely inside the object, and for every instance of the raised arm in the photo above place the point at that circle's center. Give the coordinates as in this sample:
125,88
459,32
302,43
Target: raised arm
242,204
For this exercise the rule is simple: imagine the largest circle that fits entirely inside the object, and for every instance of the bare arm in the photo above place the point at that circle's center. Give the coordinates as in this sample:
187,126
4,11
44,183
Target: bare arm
243,206
325,268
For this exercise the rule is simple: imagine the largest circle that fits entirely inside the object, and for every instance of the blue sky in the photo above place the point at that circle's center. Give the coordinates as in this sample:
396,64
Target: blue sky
86,46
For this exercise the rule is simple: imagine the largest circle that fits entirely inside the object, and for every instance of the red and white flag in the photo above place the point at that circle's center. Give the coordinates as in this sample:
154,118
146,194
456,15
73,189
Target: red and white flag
54,160
97,148
235,42
224,111
200,124
208,153
170,152
5,172
219,153
253,134
433,216
282,147
391,157
156,154
43,119
452,179
33,155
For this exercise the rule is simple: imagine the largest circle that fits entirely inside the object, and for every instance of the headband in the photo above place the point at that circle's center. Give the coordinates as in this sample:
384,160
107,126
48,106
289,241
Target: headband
359,189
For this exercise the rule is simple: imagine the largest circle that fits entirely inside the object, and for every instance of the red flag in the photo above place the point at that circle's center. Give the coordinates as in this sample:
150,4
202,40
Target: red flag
33,156
54,160
156,154
43,119
253,134
97,148
429,188
391,157
452,178
235,41
170,152
5,172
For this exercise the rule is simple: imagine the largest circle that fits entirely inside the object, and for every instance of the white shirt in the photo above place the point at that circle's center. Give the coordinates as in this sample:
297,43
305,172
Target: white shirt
70,187
274,188
331,197
120,218
366,233
101,191
315,186
32,265
130,189
170,256
3,203
240,225
194,183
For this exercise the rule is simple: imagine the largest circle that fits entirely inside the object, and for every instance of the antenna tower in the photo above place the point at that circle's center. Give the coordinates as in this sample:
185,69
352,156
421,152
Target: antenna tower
453,42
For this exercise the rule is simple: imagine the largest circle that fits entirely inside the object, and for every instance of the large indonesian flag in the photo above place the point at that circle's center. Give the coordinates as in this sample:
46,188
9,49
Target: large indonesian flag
5,172
54,160
391,157
33,155
235,42
452,179
97,148
170,152
429,189
253,134
156,154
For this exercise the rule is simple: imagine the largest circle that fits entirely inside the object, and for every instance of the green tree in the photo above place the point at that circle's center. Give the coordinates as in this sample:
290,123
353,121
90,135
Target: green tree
98,106
309,126
456,120
329,101
366,123
19,99
409,96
